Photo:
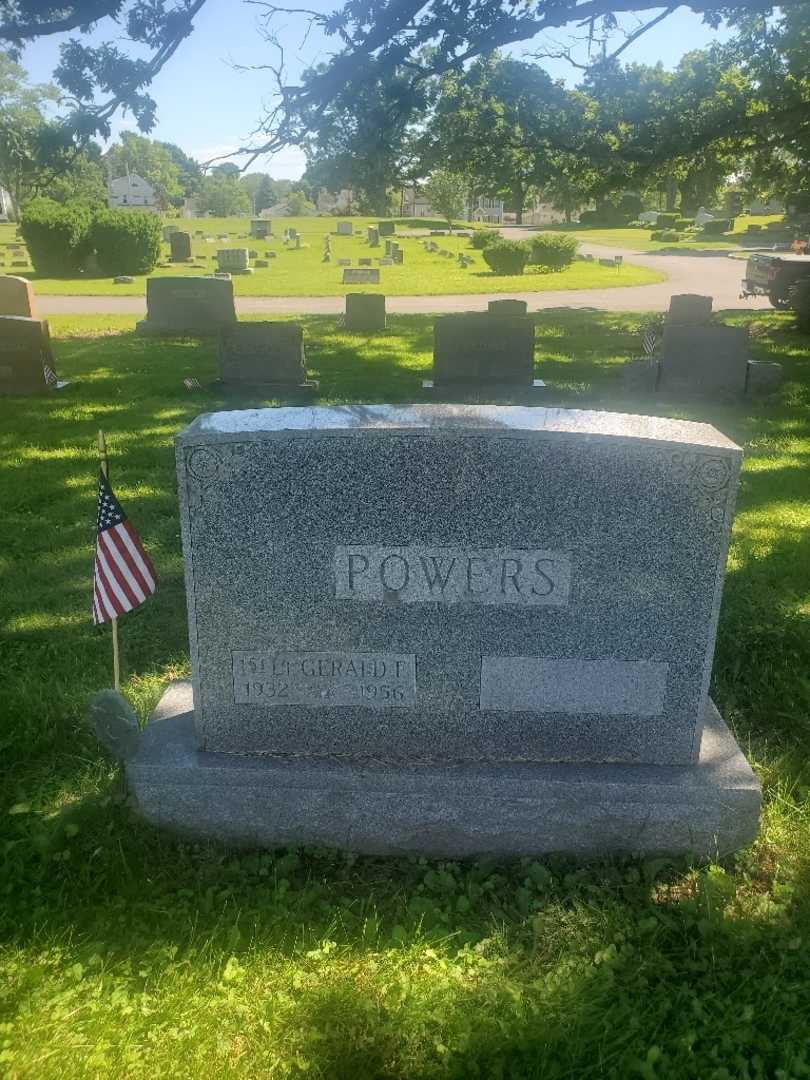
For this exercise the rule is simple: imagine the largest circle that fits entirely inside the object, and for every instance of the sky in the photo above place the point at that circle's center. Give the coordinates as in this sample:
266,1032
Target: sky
209,108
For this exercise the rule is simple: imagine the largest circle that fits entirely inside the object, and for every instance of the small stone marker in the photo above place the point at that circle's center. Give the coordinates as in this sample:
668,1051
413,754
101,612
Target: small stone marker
477,349
344,262
364,276
365,262
389,247
123,279
261,264
386,228
180,243
454,630
365,312
17,297
373,236
269,355
607,262
260,228
27,365
386,261
187,305
344,228
234,260
507,307
689,309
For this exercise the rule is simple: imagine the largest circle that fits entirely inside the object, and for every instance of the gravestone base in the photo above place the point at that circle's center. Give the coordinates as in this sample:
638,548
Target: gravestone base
308,389
703,810
467,387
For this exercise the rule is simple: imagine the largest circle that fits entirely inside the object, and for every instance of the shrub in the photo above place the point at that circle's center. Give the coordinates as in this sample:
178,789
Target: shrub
800,302
57,236
684,223
665,234
669,220
126,241
554,251
589,217
483,238
507,256
718,226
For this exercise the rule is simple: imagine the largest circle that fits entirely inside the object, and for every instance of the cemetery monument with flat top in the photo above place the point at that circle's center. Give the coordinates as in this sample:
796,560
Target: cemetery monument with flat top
192,305
265,355
478,350
452,630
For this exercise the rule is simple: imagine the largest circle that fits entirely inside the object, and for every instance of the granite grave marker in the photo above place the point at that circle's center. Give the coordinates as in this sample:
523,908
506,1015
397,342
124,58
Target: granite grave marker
269,355
451,629
193,305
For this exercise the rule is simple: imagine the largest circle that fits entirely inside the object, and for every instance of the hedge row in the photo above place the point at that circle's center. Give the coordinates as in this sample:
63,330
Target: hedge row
551,251
60,237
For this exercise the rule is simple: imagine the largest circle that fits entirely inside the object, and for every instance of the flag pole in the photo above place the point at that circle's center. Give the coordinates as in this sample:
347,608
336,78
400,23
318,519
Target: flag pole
102,454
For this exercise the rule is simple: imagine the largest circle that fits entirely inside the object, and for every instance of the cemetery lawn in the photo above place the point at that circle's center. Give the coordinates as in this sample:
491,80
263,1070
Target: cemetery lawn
303,273
124,952
638,240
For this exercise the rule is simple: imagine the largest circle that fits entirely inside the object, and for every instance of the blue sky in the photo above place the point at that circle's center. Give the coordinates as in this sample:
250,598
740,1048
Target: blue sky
209,108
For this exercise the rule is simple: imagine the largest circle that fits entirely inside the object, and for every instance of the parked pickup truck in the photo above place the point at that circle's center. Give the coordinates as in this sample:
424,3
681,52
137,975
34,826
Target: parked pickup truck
774,275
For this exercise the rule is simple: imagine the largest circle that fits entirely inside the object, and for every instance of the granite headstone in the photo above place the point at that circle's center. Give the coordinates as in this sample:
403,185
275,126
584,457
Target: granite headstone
452,630
193,305
480,348
17,297
180,244
365,312
361,276
269,355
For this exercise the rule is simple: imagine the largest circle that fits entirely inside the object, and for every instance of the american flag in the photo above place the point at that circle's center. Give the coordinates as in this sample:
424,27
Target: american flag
123,575
50,376
650,341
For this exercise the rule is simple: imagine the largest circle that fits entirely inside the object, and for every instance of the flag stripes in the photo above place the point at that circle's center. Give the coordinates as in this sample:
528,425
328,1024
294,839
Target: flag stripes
123,575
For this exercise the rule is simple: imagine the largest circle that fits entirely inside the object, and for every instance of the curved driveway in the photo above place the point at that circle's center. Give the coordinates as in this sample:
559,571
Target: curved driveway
711,274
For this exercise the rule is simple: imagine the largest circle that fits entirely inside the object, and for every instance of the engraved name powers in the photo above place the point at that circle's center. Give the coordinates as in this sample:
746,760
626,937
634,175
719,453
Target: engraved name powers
418,574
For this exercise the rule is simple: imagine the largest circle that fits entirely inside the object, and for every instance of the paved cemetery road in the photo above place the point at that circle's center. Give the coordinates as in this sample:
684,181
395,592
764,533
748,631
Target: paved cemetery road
714,275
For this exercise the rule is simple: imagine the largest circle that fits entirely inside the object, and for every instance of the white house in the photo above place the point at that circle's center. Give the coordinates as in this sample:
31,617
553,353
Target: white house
131,192
482,208
329,201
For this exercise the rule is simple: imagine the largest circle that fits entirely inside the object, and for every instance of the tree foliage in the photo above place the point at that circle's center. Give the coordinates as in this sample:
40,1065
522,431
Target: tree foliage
221,195
446,192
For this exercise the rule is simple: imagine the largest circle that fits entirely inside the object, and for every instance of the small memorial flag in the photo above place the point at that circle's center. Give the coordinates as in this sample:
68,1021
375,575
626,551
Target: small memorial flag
650,341
50,376
123,575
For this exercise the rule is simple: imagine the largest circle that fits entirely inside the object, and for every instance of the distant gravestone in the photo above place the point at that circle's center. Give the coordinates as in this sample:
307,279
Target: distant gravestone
398,256
169,231
26,360
703,215
386,228
17,297
269,355
365,312
689,309
364,262
187,305
386,261
480,349
344,262
260,228
389,247
704,361
180,243
234,260
344,228
262,264
373,236
364,276
507,307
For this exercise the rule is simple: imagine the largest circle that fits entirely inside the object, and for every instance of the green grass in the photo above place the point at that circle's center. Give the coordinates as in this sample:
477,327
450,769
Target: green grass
124,953
303,273
638,240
